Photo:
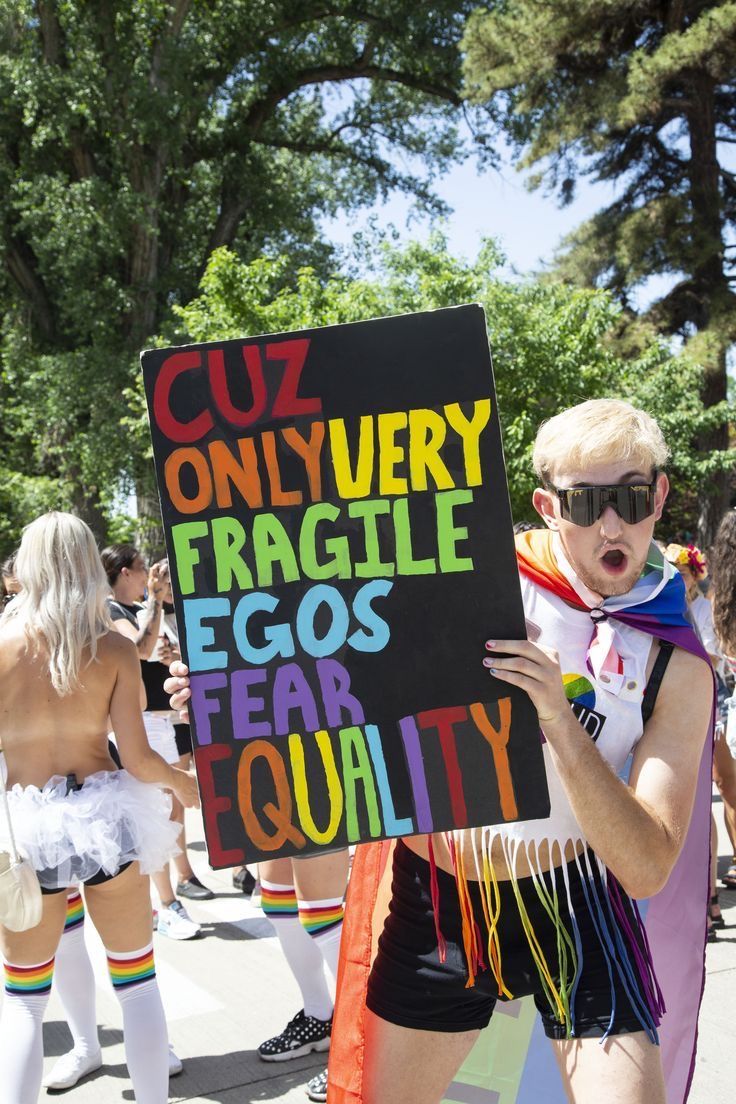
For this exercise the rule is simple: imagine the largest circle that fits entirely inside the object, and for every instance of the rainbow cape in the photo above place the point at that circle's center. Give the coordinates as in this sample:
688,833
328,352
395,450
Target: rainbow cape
512,1062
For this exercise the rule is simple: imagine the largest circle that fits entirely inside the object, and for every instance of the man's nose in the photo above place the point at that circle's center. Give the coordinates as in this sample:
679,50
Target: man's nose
610,523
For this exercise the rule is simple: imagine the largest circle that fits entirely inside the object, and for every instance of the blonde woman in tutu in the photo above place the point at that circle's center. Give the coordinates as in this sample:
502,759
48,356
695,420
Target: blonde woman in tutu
67,677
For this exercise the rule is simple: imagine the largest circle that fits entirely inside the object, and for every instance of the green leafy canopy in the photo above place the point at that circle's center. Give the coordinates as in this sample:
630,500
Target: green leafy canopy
550,342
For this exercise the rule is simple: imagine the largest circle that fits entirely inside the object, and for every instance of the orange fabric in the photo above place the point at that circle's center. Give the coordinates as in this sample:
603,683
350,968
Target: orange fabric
369,891
536,560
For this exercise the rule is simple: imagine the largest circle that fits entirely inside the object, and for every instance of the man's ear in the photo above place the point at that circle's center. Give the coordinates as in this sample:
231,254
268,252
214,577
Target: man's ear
544,503
660,495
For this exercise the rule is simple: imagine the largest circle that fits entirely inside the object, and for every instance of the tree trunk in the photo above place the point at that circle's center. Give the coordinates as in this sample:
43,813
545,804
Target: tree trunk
150,529
87,507
710,283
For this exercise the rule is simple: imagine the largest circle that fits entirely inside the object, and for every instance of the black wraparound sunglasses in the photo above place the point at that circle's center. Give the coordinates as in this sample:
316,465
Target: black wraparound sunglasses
584,505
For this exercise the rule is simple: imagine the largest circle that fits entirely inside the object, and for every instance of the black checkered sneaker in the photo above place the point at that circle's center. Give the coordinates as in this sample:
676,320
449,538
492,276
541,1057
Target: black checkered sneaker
301,1035
317,1087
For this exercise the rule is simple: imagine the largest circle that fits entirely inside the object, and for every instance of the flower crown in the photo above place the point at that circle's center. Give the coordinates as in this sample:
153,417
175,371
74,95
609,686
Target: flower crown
687,556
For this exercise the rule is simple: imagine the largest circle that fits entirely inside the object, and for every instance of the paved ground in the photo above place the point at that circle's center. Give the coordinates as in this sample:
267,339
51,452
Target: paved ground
226,992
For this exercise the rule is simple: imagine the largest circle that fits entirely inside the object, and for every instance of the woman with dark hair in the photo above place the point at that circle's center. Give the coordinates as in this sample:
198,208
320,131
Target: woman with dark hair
137,609
723,579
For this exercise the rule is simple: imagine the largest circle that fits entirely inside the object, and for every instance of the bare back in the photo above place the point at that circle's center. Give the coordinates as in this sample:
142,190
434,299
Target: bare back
42,733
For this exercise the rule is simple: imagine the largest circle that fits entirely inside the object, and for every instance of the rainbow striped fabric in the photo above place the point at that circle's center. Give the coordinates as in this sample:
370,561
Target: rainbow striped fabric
131,970
318,917
278,900
29,979
74,912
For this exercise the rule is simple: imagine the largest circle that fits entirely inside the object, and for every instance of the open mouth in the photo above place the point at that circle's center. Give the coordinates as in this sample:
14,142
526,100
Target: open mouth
614,561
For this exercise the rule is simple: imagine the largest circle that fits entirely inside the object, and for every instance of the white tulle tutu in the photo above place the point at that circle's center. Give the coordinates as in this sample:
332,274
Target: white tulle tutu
113,819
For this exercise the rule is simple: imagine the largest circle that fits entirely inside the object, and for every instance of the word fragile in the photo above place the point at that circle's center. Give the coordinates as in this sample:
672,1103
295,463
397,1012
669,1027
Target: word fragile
328,543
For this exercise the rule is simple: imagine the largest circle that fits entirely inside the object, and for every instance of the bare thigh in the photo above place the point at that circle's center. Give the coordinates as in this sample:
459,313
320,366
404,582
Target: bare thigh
321,876
405,1066
121,910
29,948
724,771
276,871
625,1069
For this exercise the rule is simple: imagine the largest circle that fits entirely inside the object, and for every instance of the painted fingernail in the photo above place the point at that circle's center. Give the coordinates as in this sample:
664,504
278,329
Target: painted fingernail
492,671
487,662
490,643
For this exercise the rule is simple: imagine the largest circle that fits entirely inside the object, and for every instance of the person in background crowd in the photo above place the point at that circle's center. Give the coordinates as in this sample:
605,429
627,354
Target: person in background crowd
690,562
11,586
101,827
723,585
159,718
137,609
304,900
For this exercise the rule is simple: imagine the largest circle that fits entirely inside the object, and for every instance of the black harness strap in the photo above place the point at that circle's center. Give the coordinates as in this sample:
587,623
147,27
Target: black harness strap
655,679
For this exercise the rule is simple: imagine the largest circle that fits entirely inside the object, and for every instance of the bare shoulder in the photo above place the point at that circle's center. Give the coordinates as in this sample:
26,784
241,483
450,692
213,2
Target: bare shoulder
687,687
117,648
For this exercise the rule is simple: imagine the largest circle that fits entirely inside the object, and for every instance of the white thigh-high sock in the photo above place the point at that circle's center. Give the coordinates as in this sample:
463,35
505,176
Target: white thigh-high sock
27,991
322,920
133,977
74,980
304,958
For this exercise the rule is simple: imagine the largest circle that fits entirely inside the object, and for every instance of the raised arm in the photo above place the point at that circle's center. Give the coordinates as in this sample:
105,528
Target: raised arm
149,616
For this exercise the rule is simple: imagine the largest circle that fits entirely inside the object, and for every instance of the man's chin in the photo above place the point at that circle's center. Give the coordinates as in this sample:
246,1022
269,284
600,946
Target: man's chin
608,584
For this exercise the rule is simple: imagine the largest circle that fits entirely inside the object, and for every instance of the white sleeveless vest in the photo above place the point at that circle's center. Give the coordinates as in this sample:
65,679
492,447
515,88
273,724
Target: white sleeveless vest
612,719
606,698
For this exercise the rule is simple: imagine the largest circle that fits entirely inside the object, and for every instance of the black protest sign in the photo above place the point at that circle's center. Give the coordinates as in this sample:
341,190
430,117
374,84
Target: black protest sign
340,543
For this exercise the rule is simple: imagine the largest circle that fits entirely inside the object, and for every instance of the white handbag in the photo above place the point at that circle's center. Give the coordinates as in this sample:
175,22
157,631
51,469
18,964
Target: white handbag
21,903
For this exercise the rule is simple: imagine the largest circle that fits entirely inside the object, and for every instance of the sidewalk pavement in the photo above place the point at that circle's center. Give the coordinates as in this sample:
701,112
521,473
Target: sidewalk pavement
230,989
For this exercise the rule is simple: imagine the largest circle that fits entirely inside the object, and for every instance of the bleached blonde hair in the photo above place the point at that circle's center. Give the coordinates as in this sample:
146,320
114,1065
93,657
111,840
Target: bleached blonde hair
598,431
63,592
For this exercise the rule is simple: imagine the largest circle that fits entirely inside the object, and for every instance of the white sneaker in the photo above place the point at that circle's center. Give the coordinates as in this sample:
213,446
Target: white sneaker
175,1063
71,1068
175,922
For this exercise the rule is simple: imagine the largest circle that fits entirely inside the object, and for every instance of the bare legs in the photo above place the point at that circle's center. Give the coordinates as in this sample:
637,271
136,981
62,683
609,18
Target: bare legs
724,776
405,1066
121,912
626,1069
181,862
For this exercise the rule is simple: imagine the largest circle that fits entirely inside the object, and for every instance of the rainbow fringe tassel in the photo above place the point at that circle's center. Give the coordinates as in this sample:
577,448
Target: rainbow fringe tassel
624,943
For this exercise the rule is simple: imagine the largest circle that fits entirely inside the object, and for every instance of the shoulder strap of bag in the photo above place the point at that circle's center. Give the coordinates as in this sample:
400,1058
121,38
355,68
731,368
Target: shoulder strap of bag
655,679
13,848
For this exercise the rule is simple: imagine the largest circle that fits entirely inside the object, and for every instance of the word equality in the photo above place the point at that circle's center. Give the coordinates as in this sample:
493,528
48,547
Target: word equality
350,797
392,454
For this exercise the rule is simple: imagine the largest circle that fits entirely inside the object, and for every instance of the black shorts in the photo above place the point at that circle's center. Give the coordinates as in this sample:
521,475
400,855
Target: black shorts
411,987
97,879
183,734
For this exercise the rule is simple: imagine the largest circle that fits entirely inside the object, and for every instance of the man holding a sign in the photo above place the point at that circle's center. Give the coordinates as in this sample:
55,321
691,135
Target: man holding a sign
336,512
546,907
